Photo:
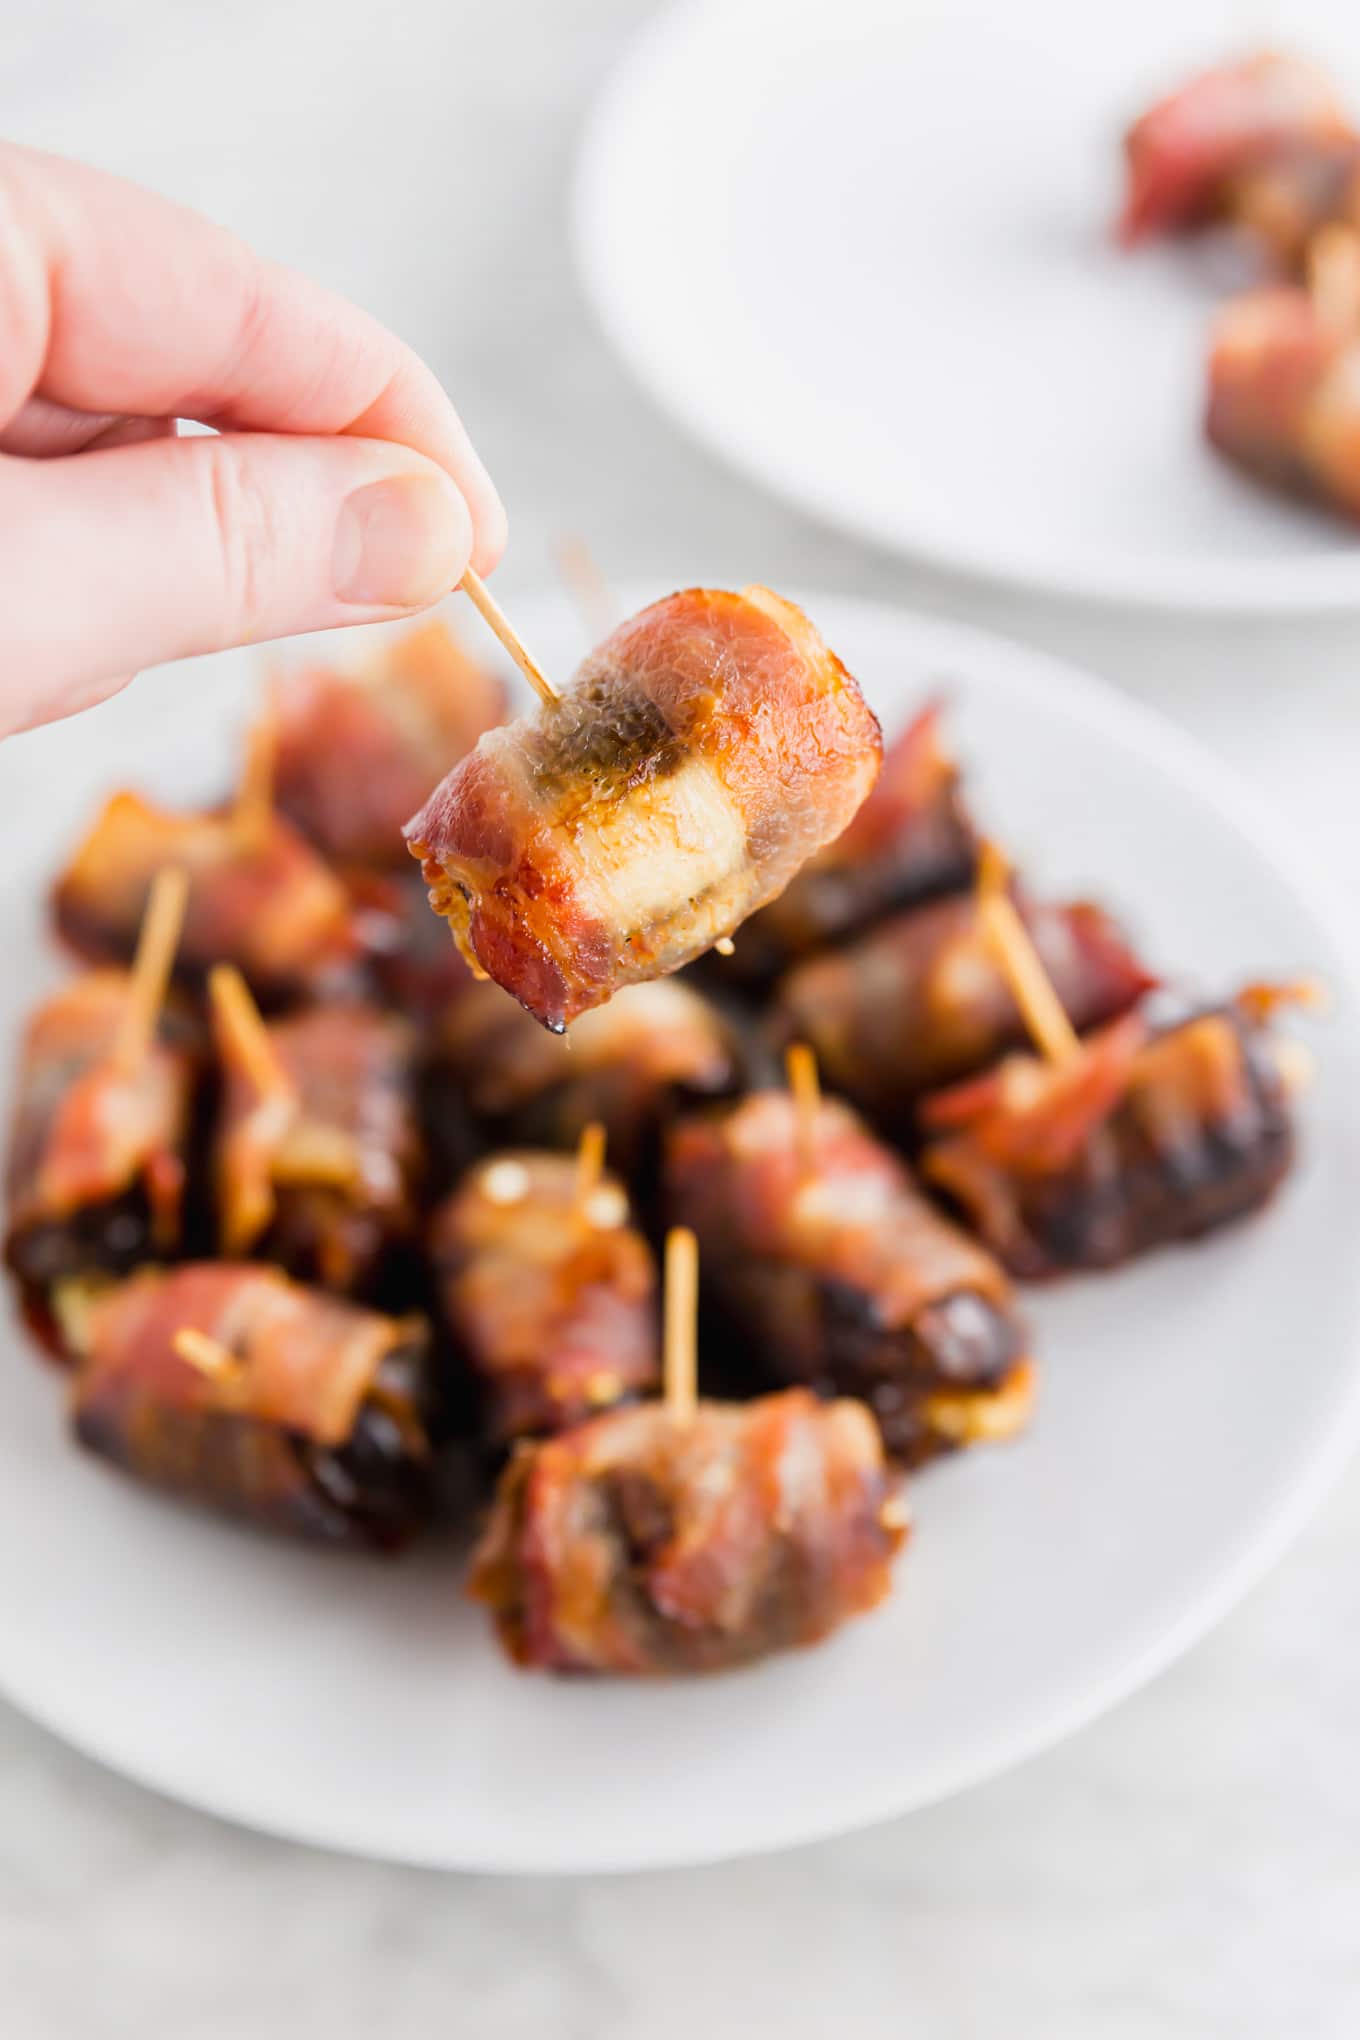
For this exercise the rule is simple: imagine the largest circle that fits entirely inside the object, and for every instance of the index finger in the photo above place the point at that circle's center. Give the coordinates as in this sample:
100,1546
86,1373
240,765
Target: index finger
114,299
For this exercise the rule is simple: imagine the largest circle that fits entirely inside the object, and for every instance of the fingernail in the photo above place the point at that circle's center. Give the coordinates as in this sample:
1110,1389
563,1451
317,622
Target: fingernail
402,542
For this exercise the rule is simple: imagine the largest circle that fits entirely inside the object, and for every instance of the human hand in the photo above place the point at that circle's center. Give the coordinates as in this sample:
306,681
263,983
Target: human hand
342,489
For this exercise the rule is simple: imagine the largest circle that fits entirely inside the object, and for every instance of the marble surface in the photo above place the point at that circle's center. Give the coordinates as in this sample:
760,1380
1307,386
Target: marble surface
1185,1868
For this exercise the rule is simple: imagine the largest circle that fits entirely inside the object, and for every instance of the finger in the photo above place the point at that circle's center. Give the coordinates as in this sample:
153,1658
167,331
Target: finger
115,300
119,559
44,431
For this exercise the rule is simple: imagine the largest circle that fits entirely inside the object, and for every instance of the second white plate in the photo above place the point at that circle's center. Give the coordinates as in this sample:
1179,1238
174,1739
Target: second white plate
864,252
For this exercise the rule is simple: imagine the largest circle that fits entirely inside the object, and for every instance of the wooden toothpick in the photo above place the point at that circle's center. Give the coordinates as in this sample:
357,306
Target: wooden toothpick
238,1017
1013,948
254,806
681,1355
800,1066
725,946
151,967
497,621
589,1166
208,1357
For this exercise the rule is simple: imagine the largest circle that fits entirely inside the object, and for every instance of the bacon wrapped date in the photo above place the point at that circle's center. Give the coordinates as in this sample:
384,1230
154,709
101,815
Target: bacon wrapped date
911,841
1185,154
627,1065
259,896
1284,394
318,1149
825,1256
316,1423
1285,200
921,1000
705,751
359,752
1153,1134
95,1174
641,1543
549,1293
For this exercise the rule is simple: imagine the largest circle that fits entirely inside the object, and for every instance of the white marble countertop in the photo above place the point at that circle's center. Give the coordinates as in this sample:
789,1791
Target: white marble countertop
1185,1868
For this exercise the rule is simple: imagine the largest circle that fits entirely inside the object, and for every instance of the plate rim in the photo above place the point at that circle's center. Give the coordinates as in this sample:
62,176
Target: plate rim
1174,752
1320,585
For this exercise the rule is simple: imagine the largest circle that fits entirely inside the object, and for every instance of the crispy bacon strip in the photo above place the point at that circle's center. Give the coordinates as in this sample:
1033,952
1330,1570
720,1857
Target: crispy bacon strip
318,1425
1183,153
832,1266
921,1001
1148,1137
550,1295
318,1157
260,898
95,1170
637,1544
911,841
1284,395
705,751
359,752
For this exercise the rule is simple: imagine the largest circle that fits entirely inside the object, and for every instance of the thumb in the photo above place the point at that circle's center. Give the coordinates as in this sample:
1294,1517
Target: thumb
119,559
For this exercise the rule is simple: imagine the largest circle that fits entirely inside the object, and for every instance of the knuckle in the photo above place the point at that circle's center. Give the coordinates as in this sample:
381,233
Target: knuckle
243,522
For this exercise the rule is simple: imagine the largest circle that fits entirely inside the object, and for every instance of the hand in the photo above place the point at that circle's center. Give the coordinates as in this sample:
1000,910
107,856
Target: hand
342,488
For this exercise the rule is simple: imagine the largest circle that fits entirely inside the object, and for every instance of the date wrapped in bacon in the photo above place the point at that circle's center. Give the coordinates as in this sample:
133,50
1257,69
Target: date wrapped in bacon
318,1150
1184,153
820,1250
1285,200
548,1291
643,1543
628,1065
1284,388
314,1422
921,1000
259,896
359,752
1150,1135
95,1173
704,752
910,842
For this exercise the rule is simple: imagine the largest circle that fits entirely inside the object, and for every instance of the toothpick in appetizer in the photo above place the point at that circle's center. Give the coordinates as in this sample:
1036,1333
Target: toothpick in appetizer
689,1536
704,752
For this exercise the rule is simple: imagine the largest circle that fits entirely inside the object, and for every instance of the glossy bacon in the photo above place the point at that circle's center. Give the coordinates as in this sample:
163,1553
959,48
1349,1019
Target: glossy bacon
637,1544
95,1169
318,1428
1183,152
626,1064
359,752
838,1273
320,1172
921,1001
1150,1136
260,898
910,842
1284,395
550,1297
705,751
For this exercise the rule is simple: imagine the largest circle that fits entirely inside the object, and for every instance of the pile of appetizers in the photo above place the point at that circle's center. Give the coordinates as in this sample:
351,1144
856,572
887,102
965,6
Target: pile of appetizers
1266,149
310,1200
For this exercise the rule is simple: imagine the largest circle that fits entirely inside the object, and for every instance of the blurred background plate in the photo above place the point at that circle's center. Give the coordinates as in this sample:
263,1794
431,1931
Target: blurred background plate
1191,1410
863,251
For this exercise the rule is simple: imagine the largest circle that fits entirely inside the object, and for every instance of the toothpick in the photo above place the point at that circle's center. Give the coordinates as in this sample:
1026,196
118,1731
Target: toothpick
254,805
1011,944
681,1364
239,1019
590,591
800,1066
725,946
208,1357
151,967
497,621
589,1166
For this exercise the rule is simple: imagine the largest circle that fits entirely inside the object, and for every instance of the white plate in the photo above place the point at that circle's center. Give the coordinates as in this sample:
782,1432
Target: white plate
863,250
1192,1410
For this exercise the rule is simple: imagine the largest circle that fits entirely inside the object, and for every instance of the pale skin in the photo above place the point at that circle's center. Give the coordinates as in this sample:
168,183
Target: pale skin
342,488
